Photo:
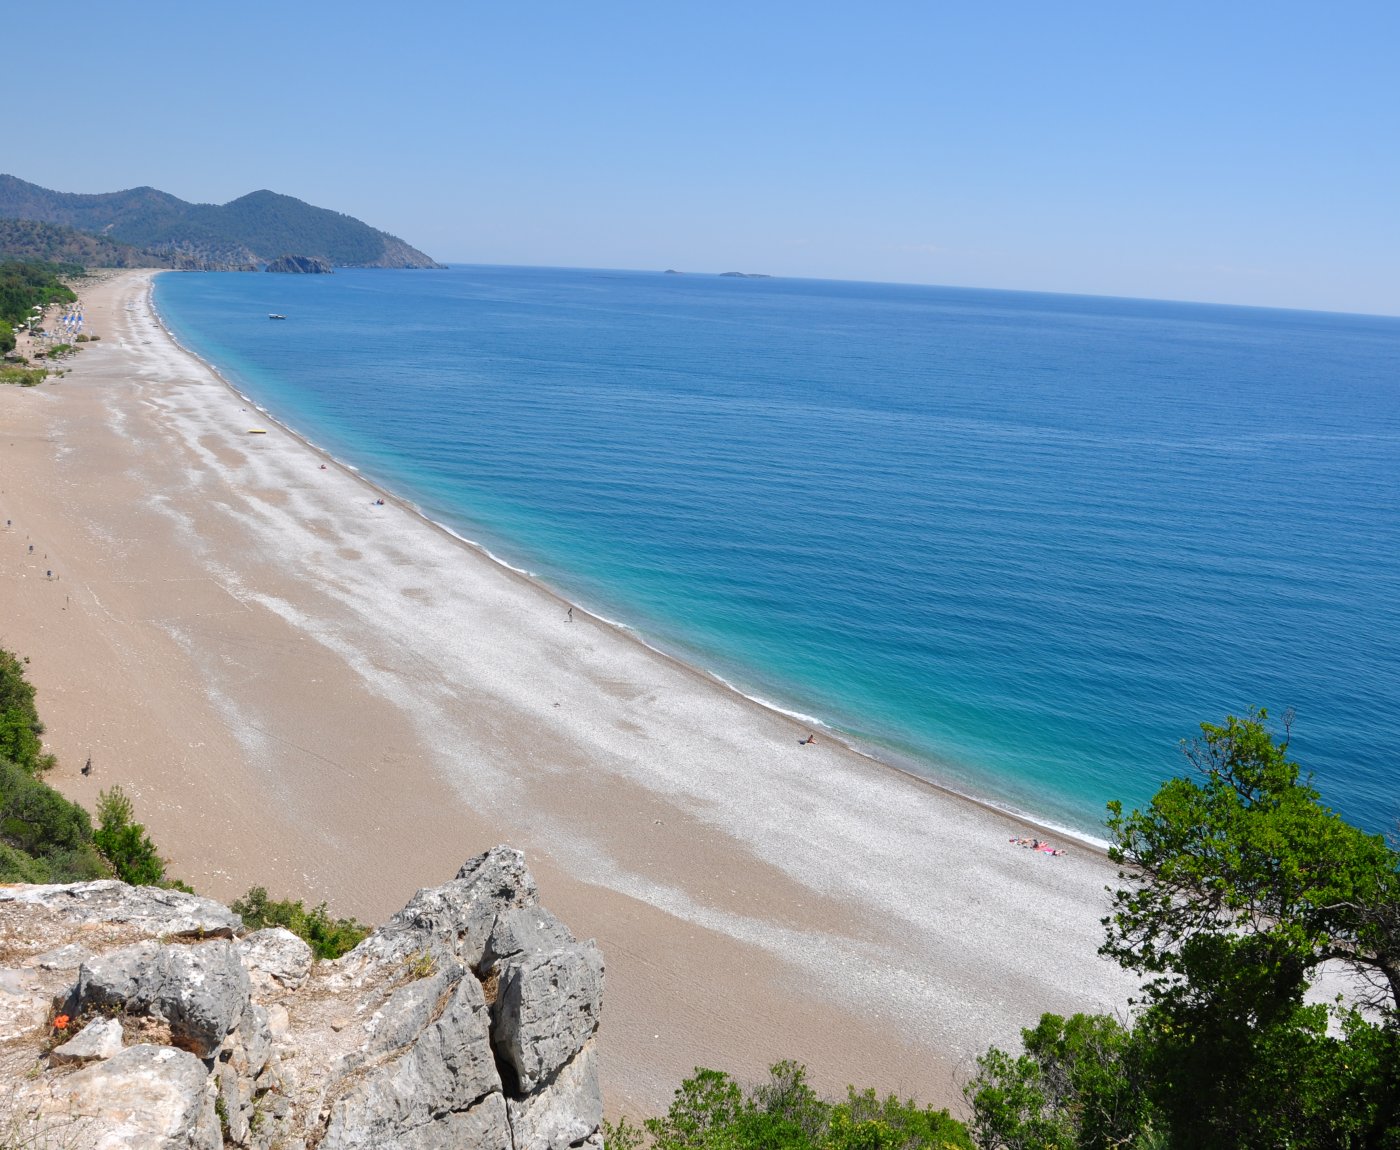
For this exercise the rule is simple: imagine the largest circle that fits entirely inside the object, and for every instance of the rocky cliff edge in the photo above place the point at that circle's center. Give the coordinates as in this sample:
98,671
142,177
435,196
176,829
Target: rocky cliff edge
138,1017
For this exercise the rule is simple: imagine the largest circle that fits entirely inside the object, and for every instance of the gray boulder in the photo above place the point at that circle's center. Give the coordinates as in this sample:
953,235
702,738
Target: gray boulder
201,990
447,1069
564,1115
454,922
151,910
546,1008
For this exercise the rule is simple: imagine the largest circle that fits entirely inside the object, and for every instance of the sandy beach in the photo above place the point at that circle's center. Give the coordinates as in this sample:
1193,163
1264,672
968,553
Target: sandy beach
337,700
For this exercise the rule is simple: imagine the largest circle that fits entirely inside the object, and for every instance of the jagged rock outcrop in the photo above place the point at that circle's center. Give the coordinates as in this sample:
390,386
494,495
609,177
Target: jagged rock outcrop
300,265
135,1017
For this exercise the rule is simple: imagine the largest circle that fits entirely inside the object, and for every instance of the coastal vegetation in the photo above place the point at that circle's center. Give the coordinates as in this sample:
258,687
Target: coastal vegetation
1238,886
25,285
711,1111
125,844
328,937
45,837
22,376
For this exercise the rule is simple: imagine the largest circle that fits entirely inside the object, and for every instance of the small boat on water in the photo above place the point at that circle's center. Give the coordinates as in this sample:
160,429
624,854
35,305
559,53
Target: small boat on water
274,315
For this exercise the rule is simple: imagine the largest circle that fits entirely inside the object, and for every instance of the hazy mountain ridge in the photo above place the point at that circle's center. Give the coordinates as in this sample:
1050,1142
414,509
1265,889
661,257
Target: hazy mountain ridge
253,229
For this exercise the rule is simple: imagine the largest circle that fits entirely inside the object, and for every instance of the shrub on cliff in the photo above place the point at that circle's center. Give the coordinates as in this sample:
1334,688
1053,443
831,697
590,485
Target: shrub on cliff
43,836
328,937
124,842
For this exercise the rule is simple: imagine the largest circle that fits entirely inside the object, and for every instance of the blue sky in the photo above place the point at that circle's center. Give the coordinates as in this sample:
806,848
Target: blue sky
1244,153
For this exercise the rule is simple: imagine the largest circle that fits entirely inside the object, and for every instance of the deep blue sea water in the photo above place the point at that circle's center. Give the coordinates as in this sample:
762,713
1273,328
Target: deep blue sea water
1024,543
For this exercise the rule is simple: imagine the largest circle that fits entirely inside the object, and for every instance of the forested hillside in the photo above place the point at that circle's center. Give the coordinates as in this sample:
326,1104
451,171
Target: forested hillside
31,240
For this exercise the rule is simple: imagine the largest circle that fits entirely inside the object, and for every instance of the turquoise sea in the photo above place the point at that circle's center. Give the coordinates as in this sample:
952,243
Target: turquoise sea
1022,543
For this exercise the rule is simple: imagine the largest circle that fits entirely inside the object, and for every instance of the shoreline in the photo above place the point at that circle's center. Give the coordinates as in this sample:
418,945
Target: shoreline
341,701
905,765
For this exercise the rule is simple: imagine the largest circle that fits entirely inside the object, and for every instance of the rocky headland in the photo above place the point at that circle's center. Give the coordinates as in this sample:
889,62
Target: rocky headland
300,265
143,1017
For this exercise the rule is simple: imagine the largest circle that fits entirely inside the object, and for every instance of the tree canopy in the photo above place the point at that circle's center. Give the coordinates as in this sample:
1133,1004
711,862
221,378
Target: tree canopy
1238,885
1239,872
711,1111
23,285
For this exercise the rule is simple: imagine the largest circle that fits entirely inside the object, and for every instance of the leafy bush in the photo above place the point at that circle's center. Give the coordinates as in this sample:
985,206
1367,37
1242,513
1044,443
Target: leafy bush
711,1111
43,836
23,376
20,727
328,937
124,842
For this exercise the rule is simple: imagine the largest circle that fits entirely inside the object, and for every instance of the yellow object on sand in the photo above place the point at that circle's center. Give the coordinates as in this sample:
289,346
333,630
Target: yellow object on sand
256,431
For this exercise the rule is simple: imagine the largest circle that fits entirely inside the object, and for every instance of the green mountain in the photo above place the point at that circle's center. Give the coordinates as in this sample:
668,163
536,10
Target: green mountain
241,235
30,241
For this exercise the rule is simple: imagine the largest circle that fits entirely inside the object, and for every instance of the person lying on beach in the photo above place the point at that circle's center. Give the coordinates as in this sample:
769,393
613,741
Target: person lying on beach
1037,845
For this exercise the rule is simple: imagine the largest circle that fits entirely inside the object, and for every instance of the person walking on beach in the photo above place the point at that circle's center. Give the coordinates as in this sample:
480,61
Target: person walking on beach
571,614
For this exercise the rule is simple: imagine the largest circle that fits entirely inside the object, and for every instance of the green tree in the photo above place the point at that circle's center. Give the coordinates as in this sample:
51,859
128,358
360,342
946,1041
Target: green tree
1237,885
1241,876
43,836
1077,1087
7,337
124,842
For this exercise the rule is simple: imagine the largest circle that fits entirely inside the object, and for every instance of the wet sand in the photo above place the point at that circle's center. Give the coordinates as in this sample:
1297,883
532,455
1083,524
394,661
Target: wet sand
337,700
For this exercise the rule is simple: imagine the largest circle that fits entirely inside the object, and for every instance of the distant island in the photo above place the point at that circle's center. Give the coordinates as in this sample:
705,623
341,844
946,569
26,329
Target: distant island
732,275
145,226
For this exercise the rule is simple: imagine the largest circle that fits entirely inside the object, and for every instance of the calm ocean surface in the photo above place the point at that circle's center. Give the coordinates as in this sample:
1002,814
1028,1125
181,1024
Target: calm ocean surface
1022,543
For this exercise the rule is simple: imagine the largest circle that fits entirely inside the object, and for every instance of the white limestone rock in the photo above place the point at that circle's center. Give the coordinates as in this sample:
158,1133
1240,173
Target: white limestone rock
276,959
152,910
99,1040
145,1098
